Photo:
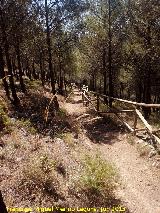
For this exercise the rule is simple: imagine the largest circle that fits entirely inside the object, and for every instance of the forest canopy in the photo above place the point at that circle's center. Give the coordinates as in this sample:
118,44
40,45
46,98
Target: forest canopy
111,45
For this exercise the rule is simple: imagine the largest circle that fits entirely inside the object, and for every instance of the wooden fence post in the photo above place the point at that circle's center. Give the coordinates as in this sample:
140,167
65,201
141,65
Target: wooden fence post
97,102
83,98
135,120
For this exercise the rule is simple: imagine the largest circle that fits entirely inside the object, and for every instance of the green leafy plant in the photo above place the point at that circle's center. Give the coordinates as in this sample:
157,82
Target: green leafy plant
68,138
62,113
26,123
98,180
40,173
5,121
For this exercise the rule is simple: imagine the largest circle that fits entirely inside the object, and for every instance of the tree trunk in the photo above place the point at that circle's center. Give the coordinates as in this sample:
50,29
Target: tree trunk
110,54
42,69
138,90
20,67
147,80
2,74
104,75
28,70
61,85
52,76
34,71
8,60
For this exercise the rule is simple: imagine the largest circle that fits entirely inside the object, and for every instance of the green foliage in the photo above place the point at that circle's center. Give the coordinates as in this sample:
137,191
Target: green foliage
103,107
40,172
5,122
26,123
68,138
155,120
98,180
62,113
33,84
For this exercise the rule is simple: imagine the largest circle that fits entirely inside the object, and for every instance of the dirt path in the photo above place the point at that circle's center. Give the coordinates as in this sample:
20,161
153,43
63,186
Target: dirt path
140,182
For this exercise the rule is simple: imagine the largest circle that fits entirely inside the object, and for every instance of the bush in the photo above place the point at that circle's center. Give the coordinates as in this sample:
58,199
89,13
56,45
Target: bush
143,150
97,182
5,121
26,123
131,139
40,174
62,113
68,138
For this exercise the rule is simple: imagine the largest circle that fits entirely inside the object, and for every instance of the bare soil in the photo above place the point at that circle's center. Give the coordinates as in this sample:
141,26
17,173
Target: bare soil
139,188
21,149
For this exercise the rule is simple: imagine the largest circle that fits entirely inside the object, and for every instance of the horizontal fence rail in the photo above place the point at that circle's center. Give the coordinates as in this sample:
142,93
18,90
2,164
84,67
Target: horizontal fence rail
127,101
88,99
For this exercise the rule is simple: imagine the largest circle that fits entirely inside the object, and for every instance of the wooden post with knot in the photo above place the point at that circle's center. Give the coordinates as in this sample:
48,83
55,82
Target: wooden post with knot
97,102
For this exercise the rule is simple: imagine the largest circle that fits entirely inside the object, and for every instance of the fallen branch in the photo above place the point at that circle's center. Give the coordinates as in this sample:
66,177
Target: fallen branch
116,111
82,116
93,119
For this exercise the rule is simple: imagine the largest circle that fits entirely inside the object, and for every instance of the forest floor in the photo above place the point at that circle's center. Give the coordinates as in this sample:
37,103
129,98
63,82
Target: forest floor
140,180
42,164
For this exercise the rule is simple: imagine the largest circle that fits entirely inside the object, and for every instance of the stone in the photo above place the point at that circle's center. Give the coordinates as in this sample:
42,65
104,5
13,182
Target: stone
152,153
158,165
154,164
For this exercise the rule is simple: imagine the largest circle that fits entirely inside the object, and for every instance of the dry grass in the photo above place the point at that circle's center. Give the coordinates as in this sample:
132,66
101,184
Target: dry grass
41,170
5,121
143,150
97,182
131,139
68,138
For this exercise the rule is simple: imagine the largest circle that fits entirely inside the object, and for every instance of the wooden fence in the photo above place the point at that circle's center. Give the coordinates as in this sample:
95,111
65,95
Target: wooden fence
89,97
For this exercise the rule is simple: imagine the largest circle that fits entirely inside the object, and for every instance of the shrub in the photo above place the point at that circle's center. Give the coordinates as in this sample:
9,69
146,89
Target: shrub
98,181
143,150
5,121
62,113
131,139
68,138
26,123
40,174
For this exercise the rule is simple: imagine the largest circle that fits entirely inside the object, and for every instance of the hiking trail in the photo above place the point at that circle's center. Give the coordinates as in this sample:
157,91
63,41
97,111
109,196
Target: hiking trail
139,186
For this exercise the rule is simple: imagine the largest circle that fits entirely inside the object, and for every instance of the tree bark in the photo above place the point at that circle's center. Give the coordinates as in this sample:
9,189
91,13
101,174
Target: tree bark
147,80
42,69
48,38
17,48
104,75
110,55
8,60
2,74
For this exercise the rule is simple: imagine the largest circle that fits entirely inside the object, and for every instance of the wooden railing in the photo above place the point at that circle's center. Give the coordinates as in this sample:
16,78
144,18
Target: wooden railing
87,98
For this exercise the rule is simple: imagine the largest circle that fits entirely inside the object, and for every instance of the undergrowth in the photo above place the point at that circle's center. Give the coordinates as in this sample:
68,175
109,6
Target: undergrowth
5,122
39,174
97,181
68,138
131,139
143,150
26,123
